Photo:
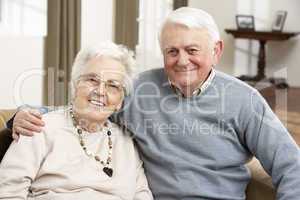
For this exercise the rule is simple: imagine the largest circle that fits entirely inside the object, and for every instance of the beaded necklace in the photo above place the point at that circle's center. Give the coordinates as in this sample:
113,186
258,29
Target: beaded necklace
106,169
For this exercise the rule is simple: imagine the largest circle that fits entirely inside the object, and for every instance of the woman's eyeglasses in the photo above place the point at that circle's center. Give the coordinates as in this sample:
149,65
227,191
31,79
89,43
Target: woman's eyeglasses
111,86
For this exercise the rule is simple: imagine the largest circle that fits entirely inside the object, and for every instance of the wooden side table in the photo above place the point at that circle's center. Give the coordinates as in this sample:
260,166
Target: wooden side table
262,37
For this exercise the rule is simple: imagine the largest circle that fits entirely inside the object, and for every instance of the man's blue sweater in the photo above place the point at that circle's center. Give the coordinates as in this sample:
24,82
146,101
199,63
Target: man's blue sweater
196,148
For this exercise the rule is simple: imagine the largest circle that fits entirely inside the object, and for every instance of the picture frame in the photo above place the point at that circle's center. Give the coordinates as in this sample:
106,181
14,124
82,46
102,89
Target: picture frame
279,20
245,22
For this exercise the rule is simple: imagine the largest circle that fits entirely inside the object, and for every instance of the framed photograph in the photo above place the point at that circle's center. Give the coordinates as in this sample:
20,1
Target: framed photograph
279,20
245,22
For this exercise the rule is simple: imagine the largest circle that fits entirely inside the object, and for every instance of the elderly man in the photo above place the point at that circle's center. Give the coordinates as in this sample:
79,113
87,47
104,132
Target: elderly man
196,127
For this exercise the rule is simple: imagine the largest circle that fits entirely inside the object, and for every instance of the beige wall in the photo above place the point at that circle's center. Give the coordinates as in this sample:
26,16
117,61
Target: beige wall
21,61
97,21
283,57
22,30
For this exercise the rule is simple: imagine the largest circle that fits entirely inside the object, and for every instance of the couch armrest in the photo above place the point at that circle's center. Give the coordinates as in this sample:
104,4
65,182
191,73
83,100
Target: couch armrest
260,186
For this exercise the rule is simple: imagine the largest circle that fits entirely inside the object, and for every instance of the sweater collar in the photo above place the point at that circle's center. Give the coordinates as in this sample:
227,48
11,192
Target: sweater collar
201,87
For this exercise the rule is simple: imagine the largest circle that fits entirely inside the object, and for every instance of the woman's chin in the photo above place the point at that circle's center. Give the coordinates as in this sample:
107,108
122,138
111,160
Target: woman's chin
95,118
94,114
98,114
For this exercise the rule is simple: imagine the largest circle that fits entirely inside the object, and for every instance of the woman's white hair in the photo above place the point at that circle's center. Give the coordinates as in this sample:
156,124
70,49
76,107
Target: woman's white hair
193,18
109,49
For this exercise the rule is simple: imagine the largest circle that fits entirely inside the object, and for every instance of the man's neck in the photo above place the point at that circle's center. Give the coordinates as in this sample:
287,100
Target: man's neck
192,90
188,91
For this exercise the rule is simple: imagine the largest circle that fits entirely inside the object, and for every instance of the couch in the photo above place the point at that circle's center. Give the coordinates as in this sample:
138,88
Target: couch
5,134
5,115
259,188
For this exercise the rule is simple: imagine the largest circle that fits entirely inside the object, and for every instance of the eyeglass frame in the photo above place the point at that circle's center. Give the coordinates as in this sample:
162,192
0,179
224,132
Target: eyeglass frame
100,80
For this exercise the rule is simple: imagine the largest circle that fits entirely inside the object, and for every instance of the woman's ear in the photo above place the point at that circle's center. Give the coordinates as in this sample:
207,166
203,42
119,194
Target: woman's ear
73,90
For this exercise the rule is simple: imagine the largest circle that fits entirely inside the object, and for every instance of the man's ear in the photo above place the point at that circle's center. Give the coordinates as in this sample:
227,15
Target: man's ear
218,51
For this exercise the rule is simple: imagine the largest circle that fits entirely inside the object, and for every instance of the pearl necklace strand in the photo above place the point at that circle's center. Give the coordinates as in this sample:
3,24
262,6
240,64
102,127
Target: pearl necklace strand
106,169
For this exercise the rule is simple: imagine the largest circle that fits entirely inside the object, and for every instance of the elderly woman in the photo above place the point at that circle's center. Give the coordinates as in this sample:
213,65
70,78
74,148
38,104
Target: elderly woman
81,154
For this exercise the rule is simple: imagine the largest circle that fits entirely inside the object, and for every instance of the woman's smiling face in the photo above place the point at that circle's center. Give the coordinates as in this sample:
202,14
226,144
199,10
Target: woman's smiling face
99,91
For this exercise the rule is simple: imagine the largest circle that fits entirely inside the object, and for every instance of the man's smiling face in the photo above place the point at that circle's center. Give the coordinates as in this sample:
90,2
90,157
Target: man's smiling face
188,55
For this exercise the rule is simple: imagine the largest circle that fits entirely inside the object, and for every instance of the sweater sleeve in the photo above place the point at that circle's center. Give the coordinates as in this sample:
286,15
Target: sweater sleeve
142,191
20,166
271,143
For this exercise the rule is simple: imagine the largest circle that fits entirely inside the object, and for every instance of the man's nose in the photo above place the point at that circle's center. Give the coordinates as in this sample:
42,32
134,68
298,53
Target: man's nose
183,59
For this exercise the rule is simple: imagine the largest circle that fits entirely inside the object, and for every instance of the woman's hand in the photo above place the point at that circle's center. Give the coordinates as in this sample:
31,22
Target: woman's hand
26,122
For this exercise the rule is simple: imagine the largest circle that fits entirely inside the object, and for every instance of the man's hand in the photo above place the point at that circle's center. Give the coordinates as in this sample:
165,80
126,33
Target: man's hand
26,122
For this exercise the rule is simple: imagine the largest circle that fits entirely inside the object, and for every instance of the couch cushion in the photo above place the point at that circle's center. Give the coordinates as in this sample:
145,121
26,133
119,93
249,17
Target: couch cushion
260,186
5,115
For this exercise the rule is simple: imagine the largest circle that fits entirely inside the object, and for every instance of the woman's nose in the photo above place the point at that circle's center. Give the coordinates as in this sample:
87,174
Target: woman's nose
101,88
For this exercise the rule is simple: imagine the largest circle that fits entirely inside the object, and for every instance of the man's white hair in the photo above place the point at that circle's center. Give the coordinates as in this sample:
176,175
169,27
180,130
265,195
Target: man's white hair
109,49
193,18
